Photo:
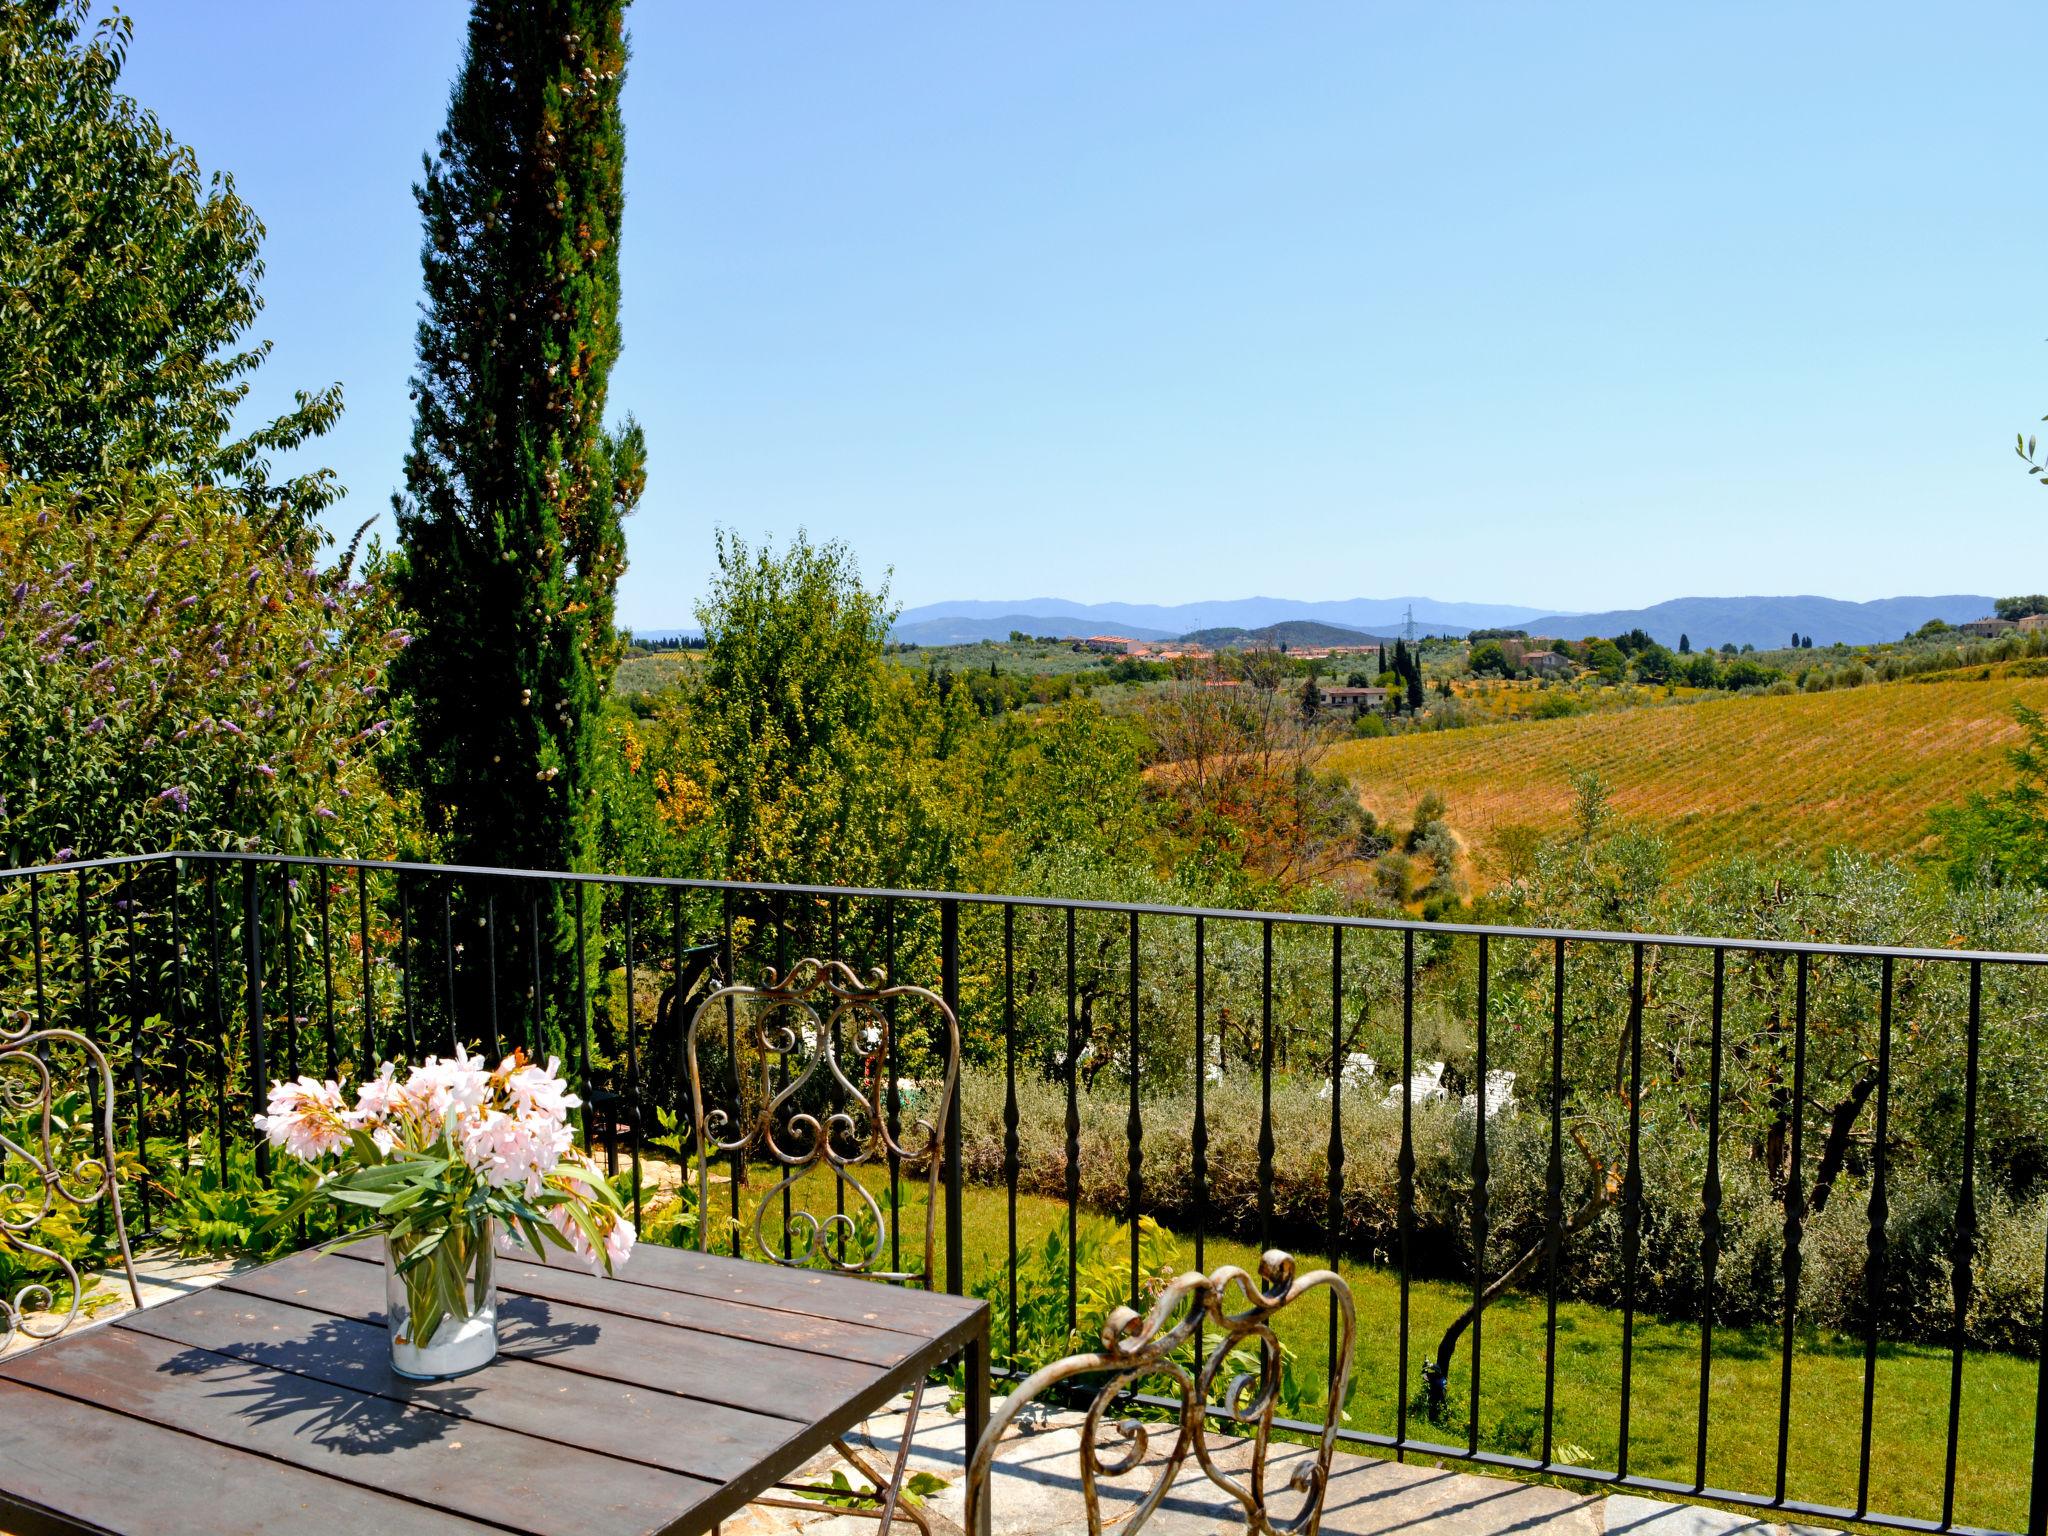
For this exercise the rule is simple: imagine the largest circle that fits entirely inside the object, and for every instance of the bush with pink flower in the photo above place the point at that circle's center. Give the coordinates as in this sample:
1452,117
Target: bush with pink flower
444,1154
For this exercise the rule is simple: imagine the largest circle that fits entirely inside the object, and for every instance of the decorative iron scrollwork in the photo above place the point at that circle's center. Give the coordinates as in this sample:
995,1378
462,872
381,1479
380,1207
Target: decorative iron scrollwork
822,1025
44,1171
1158,1348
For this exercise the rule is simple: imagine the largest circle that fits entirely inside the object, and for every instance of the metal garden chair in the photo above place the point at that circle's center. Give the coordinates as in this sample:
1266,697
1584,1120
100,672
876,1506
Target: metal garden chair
810,1090
1183,1348
41,1172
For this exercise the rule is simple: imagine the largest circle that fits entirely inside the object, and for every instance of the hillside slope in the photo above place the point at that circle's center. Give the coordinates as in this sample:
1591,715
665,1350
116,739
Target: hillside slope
1287,632
1858,767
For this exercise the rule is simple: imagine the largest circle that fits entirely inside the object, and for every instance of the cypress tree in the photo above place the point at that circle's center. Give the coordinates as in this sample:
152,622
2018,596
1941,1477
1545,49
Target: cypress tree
511,544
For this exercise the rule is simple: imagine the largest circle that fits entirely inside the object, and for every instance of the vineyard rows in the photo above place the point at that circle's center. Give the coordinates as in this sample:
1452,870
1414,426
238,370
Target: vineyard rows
1787,775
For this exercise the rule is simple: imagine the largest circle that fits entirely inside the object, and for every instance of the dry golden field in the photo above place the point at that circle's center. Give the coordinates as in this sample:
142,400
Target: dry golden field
1857,767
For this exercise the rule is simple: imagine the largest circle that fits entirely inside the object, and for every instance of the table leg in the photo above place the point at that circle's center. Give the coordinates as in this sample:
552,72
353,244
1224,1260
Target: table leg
977,1363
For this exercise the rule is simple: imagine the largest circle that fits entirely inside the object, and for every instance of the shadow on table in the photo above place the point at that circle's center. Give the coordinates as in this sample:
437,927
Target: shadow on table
334,1382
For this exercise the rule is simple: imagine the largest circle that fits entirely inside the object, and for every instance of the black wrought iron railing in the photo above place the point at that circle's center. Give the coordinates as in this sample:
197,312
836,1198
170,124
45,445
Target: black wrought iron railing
1626,1167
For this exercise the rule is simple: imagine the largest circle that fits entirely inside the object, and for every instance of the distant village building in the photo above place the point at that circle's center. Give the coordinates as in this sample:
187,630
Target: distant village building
1111,645
2034,621
1353,701
1987,629
1546,663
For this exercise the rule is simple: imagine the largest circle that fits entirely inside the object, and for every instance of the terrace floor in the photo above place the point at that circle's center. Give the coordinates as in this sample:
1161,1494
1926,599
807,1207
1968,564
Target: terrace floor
1038,1493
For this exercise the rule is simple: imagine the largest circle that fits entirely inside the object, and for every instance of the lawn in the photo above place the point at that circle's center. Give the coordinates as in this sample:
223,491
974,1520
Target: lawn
1911,1401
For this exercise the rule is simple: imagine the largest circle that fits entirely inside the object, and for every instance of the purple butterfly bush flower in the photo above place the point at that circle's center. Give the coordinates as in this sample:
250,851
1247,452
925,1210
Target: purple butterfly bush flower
64,855
321,810
176,797
85,588
187,602
266,770
20,594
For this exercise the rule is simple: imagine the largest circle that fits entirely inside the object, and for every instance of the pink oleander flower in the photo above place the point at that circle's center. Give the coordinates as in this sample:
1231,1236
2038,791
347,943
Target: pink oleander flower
512,1149
439,1089
538,1091
306,1118
379,1100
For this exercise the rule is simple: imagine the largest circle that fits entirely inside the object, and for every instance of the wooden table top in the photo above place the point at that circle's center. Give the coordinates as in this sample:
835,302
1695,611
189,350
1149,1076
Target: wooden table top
659,1401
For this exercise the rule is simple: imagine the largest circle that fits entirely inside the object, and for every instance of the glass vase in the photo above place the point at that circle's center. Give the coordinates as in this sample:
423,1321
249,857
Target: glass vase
442,1304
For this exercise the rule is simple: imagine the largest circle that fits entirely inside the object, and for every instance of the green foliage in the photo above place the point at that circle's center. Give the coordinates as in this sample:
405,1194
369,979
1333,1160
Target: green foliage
127,287
839,1492
1488,659
2001,839
67,1230
1606,658
511,525
1654,664
173,674
224,1206
2017,608
796,751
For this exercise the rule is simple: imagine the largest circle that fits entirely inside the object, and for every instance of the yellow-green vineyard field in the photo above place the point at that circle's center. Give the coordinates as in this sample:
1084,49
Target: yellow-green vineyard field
1857,768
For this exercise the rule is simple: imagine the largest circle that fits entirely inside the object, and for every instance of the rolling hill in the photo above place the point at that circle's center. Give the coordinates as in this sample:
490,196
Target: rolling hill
1292,632
1785,776
1767,621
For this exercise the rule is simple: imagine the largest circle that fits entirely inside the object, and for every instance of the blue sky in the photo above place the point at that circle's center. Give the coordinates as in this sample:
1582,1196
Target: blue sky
1581,306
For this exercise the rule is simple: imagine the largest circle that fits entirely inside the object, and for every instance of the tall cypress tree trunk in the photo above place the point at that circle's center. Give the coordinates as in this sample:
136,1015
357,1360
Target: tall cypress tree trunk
510,528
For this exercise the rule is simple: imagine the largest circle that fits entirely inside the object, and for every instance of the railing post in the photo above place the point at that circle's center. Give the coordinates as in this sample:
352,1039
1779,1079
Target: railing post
975,1357
252,941
2037,1509
949,984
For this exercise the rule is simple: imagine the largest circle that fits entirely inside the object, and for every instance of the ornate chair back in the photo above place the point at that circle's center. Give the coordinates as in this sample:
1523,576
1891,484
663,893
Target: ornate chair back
1159,1350
811,1090
42,1171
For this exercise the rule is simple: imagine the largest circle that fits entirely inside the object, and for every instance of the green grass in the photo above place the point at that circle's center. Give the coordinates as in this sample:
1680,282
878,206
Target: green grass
1910,1422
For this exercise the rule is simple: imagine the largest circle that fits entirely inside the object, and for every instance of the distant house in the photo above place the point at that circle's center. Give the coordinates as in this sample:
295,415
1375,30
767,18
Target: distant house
2034,621
1988,629
1111,645
1546,663
1353,701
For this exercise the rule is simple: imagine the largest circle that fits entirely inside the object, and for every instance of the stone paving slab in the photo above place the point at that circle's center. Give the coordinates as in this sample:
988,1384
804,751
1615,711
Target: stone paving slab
161,1274
1037,1492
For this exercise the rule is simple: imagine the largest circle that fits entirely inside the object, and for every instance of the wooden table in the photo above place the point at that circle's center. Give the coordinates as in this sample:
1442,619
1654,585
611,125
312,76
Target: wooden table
662,1400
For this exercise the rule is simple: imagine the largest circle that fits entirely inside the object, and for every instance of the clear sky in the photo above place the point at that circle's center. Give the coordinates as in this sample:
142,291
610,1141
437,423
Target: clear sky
1578,305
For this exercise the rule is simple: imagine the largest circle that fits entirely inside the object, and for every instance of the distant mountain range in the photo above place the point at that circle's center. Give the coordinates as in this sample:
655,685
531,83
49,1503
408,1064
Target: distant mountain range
1151,621
1767,621
1706,621
949,629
